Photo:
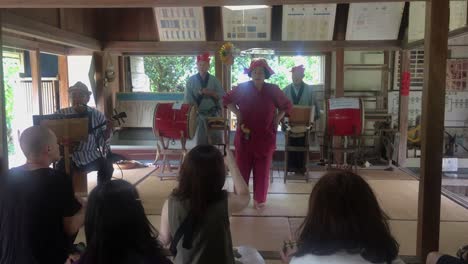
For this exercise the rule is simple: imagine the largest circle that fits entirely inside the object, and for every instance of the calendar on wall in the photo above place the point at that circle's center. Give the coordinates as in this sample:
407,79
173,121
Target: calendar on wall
247,24
308,22
374,21
417,22
180,23
457,75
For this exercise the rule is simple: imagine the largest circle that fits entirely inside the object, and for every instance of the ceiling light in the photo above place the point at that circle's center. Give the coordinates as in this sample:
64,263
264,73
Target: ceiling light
245,7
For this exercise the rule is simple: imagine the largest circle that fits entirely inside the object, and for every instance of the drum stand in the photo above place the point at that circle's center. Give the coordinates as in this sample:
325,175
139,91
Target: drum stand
167,170
345,148
305,149
217,124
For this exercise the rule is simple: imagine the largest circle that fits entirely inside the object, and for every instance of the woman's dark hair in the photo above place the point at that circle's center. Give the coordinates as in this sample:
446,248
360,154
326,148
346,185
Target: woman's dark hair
344,215
116,227
201,179
267,73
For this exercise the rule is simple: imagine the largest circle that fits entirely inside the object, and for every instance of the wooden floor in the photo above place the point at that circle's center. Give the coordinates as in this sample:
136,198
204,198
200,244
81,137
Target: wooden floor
396,190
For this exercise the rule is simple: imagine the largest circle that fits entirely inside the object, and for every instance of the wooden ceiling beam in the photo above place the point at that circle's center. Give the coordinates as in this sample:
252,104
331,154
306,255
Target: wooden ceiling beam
452,34
294,47
160,3
27,44
30,28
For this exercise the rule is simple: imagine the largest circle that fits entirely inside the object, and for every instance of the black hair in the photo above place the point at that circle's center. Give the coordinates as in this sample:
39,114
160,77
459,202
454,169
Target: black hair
116,227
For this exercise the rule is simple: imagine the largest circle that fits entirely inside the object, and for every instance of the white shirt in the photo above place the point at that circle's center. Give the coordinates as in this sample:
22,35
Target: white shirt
340,257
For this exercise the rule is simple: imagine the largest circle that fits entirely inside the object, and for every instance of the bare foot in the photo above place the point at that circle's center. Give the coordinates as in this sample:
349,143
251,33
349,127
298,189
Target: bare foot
258,205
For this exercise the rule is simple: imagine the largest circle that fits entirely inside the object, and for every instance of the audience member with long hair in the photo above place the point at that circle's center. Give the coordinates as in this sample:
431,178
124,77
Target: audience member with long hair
344,224
195,218
116,228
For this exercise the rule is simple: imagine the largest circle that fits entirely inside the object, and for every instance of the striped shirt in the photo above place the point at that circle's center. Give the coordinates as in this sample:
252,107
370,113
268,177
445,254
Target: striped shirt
88,151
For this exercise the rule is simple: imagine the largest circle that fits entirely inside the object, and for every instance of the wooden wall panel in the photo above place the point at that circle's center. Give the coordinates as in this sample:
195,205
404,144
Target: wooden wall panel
80,20
50,16
213,23
125,24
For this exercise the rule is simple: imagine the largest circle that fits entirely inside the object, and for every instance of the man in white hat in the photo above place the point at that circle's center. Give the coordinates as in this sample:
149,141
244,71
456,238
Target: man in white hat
90,155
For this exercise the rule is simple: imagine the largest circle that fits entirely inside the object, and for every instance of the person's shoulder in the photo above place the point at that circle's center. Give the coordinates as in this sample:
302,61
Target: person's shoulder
337,257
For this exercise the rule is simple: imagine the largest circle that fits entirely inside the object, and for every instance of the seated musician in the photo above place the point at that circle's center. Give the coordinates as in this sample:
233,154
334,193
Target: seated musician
300,94
39,214
90,155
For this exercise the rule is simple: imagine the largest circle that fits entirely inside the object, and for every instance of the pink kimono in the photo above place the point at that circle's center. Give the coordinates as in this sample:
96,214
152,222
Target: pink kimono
258,109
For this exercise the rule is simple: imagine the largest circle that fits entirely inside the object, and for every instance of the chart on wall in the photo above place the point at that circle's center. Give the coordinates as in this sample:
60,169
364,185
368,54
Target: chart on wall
417,17
308,22
246,24
374,21
457,75
180,23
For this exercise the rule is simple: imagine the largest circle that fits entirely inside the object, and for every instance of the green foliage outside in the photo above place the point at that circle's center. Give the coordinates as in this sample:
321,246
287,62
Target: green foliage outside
281,65
170,73
11,68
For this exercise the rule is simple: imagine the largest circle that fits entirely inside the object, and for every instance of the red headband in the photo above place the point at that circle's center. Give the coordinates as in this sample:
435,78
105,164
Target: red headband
259,63
299,69
203,57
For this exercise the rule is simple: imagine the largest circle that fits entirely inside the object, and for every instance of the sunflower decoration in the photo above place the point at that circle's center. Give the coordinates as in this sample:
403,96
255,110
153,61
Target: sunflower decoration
226,53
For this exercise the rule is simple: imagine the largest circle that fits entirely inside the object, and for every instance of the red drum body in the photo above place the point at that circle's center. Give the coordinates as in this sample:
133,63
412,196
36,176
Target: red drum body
344,116
172,122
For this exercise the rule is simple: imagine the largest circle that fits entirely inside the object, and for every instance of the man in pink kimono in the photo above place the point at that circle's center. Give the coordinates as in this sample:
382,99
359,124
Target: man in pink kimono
259,107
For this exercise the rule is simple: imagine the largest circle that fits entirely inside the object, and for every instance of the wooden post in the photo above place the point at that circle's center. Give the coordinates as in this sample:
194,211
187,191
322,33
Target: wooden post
432,128
403,110
122,74
339,92
218,68
35,60
99,76
382,99
3,130
63,80
328,72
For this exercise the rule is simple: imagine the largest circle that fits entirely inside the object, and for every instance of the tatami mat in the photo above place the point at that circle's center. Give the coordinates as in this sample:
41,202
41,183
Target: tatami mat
262,233
133,176
399,199
286,208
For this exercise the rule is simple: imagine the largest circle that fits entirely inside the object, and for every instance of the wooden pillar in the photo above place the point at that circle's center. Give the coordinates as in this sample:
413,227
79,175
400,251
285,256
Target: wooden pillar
432,129
35,60
63,80
339,92
122,74
403,110
218,68
113,86
328,73
3,130
382,99
98,60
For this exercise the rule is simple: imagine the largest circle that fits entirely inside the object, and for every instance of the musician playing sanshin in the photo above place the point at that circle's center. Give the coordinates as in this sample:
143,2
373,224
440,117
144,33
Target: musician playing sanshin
90,155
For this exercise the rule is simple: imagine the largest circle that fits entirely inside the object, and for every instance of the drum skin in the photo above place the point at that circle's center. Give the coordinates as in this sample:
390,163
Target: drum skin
174,123
343,120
